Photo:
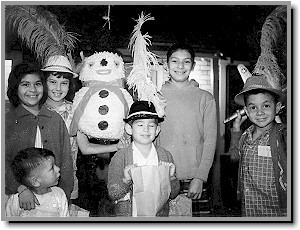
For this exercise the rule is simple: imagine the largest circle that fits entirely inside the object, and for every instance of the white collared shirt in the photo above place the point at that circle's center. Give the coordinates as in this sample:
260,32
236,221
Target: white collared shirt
140,160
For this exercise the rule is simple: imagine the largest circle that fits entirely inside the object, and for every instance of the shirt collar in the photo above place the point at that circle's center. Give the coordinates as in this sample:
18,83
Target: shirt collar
152,157
249,132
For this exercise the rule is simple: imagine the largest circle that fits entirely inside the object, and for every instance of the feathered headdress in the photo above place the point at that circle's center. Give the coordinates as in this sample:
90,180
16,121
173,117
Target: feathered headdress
143,59
40,30
272,31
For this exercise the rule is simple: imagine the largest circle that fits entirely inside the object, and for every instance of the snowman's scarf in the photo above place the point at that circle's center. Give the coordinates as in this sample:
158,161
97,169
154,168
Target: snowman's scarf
93,88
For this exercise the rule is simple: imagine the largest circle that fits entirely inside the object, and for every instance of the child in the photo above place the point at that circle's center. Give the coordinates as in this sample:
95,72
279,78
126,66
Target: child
261,150
30,124
189,131
142,125
36,168
61,87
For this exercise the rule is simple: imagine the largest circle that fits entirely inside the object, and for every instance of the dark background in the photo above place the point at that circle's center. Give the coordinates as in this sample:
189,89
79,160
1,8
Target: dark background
233,30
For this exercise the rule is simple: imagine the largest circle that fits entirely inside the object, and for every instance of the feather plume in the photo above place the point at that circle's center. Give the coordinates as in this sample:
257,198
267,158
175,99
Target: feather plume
271,32
40,31
139,78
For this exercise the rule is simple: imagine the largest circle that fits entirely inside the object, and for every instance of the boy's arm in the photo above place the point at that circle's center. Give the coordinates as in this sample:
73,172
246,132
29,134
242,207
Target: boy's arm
210,139
117,188
234,145
236,134
88,148
175,185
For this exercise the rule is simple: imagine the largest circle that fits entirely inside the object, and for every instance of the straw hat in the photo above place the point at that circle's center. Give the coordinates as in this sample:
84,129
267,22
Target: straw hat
59,63
257,82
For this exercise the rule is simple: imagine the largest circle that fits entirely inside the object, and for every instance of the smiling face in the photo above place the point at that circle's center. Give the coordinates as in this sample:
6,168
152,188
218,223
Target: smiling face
180,65
102,66
58,87
30,91
262,109
143,131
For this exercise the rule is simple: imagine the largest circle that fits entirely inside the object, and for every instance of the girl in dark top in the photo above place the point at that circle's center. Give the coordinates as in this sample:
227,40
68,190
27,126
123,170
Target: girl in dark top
29,124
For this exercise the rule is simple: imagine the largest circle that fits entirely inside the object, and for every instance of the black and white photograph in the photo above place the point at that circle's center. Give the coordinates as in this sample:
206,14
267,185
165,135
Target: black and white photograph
136,111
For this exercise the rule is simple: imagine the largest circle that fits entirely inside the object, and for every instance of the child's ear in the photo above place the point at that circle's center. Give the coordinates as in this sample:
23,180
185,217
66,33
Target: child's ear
278,107
128,129
34,181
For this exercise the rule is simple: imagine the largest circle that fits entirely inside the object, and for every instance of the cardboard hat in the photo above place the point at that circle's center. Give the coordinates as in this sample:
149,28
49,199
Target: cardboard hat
142,110
59,63
257,82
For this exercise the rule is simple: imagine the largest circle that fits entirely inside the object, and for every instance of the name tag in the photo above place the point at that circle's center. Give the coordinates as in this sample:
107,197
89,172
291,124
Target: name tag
264,151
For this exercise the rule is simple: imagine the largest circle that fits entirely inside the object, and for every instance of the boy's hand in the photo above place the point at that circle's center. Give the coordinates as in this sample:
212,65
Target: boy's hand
195,189
27,200
127,173
123,142
171,165
238,121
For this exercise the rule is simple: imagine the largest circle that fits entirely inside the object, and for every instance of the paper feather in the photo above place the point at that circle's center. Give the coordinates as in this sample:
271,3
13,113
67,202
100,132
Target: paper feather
40,31
271,32
139,78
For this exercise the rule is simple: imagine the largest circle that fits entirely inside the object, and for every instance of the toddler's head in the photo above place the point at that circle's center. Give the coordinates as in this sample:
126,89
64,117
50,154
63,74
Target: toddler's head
36,167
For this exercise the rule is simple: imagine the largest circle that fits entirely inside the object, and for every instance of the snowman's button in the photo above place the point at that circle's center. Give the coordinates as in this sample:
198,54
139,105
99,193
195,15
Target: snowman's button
103,109
103,125
103,93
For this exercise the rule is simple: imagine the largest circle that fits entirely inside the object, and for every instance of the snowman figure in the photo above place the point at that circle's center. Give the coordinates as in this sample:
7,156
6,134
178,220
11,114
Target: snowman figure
100,106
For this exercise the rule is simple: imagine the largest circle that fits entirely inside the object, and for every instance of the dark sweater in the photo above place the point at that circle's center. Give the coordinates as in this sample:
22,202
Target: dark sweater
20,133
117,189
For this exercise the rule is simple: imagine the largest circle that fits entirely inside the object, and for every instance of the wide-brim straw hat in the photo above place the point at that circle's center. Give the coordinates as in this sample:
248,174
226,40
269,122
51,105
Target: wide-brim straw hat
257,82
59,63
142,110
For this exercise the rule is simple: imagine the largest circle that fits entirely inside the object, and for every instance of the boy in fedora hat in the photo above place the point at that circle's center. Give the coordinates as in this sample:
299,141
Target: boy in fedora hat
142,124
261,150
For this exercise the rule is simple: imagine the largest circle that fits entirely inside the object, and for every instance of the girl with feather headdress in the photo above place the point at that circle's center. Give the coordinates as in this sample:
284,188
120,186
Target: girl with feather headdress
29,123
261,148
